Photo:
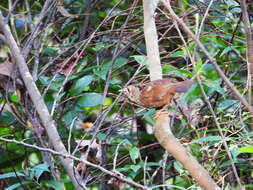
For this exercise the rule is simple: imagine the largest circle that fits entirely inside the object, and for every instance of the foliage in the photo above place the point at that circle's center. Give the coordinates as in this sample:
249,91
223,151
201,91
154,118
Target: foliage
83,62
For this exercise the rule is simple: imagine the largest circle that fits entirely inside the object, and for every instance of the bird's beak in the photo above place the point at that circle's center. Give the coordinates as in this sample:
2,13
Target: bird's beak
123,92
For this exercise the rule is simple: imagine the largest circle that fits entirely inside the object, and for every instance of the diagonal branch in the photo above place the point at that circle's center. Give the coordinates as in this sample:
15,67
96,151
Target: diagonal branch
67,155
211,59
162,128
170,144
248,33
38,102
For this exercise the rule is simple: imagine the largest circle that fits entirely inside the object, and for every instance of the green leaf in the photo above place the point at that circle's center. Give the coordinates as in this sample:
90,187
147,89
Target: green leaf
226,104
235,152
199,65
141,59
44,80
214,86
50,51
134,153
135,168
179,53
80,84
192,93
103,69
210,72
81,64
228,49
228,163
148,116
99,47
247,149
102,14
57,185
249,135
11,174
150,164
207,139
90,100
101,136
178,166
7,118
39,169
13,97
69,117
15,186
126,141
177,72
121,61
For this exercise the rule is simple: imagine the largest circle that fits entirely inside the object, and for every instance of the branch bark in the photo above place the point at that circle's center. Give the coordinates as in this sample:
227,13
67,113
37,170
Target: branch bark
151,39
170,144
67,155
39,104
162,129
248,33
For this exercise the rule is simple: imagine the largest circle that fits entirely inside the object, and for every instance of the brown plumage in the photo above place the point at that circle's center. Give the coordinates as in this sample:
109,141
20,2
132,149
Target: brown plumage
156,93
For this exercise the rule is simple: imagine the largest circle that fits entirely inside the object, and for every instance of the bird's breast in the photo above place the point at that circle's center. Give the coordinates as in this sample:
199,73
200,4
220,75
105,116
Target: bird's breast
155,96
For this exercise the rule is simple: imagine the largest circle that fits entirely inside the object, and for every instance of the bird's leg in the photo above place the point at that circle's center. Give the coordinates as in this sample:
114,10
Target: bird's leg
159,112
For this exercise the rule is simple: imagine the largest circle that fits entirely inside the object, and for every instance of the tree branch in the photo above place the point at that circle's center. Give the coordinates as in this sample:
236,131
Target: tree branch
67,155
39,104
170,144
151,39
248,33
211,59
162,129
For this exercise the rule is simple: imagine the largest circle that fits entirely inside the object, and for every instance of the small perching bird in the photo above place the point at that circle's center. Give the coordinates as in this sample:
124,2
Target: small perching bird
157,93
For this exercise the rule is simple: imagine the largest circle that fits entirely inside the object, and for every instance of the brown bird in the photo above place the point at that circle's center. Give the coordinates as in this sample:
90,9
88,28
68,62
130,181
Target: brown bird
157,93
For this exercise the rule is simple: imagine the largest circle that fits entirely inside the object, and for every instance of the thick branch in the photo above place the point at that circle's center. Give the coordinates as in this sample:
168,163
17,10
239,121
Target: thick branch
170,144
151,39
161,128
37,99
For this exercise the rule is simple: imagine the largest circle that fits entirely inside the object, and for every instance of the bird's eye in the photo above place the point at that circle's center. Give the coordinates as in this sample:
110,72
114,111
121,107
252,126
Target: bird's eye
124,91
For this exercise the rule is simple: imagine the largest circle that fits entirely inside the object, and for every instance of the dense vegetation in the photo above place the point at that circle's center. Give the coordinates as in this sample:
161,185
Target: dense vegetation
81,60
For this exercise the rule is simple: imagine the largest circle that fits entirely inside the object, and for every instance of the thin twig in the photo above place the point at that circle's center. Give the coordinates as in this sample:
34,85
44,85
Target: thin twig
38,101
248,33
224,142
66,155
211,59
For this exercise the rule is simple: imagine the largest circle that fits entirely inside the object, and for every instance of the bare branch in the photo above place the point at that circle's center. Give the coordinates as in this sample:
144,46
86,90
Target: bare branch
248,33
170,144
39,104
67,155
162,129
151,39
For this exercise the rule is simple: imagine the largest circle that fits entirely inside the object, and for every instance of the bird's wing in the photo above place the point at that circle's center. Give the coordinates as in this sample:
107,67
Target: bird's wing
181,87
155,92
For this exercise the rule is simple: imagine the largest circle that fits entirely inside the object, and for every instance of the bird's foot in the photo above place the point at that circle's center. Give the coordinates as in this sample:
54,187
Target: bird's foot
160,112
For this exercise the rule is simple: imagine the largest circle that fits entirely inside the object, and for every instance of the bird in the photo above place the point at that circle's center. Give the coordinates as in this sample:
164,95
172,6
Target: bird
157,93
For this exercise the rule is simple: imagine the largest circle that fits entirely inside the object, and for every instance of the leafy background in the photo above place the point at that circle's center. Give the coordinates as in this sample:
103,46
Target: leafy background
105,51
